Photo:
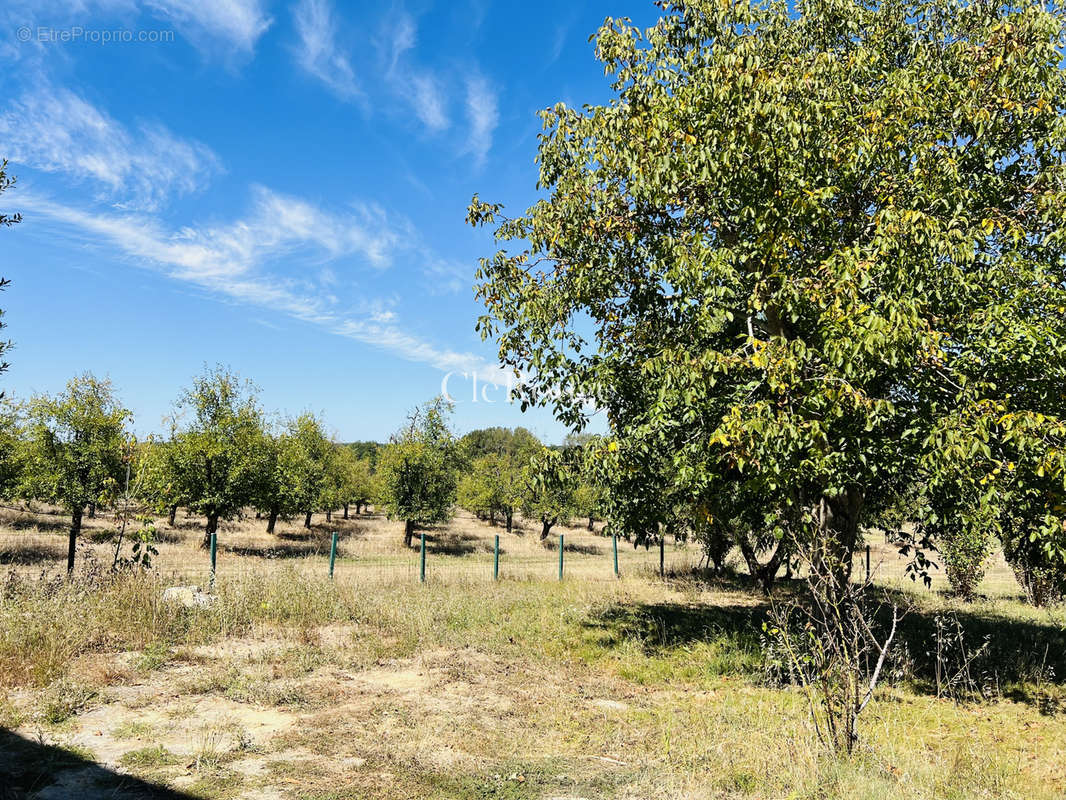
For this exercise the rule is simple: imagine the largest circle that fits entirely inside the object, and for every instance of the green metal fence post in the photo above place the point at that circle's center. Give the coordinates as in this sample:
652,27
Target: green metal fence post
496,559
662,556
614,547
422,565
332,554
214,558
561,541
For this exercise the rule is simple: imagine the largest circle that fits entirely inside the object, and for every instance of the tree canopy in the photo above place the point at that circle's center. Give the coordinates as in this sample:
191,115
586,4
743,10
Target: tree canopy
549,496
509,442
820,254
352,480
419,469
74,448
11,448
215,446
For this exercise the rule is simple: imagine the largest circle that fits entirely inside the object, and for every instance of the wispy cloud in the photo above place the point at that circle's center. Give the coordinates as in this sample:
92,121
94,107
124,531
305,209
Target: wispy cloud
429,101
233,261
239,23
420,89
276,226
483,114
562,36
445,276
401,37
55,130
318,53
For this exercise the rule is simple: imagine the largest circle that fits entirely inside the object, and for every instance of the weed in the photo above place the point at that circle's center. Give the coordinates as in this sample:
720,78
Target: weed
149,757
64,699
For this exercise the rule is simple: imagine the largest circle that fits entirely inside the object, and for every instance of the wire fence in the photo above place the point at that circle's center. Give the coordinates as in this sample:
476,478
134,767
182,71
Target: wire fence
369,549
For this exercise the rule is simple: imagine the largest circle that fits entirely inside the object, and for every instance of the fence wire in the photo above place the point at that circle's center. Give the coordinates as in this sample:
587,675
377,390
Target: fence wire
370,550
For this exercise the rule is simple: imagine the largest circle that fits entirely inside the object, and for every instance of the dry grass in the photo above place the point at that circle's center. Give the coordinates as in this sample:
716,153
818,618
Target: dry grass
373,686
371,550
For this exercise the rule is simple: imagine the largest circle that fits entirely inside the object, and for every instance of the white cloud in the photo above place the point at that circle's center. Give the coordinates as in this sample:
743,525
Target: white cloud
277,225
401,38
238,22
233,261
483,115
418,88
55,130
429,102
318,53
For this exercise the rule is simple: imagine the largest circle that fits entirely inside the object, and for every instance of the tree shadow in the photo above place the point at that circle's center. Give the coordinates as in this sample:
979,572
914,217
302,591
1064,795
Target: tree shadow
552,543
1018,659
450,543
661,627
168,536
50,523
302,535
27,767
356,529
33,553
312,547
188,524
100,535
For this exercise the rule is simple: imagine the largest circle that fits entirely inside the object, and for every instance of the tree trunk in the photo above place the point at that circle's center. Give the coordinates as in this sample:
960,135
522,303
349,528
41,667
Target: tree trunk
307,520
545,527
272,520
510,518
92,510
590,523
408,532
837,532
75,529
258,514
346,511
763,575
212,527
358,507
173,515
492,517
329,515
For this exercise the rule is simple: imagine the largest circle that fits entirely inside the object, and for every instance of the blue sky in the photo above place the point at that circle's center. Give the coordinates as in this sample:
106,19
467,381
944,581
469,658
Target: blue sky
275,186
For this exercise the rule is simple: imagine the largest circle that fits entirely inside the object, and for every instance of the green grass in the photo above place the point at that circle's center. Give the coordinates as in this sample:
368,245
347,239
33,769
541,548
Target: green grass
154,656
133,729
149,757
627,688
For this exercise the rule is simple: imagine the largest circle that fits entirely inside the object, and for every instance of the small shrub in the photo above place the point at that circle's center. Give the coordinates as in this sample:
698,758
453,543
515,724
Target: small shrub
1042,580
965,560
154,756
154,656
63,700
133,730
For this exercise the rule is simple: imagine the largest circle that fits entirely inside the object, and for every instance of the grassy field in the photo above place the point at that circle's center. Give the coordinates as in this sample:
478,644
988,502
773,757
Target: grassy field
373,686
